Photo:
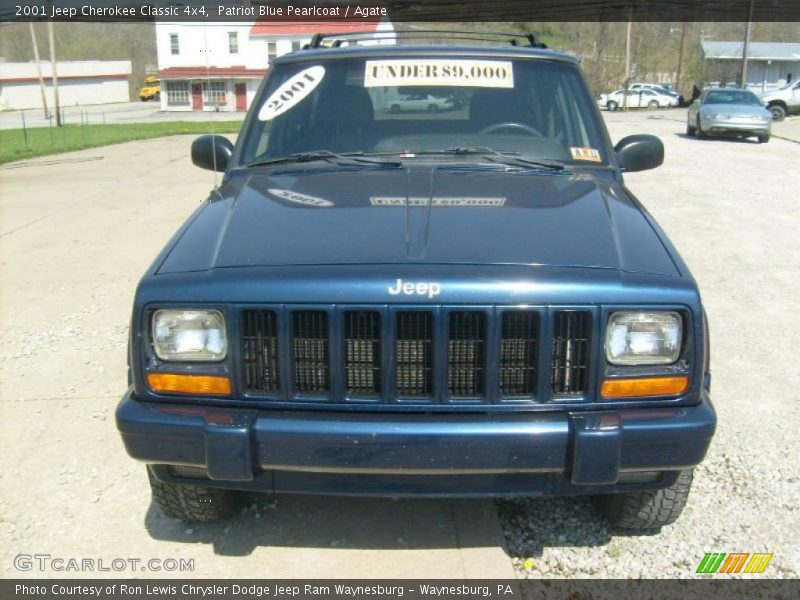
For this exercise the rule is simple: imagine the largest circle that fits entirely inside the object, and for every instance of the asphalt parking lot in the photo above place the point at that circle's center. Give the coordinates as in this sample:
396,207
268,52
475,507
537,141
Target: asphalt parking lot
78,229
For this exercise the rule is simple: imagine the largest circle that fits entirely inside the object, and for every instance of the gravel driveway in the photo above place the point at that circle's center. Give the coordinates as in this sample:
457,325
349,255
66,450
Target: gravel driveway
732,210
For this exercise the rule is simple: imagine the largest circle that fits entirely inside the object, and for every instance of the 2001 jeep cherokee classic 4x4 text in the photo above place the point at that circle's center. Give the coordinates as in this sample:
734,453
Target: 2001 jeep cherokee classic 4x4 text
459,300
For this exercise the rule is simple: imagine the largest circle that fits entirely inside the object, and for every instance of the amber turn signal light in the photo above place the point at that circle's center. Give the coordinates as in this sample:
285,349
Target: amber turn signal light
646,386
174,383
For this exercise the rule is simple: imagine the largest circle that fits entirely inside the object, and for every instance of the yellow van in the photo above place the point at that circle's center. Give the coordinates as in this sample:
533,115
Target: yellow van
151,89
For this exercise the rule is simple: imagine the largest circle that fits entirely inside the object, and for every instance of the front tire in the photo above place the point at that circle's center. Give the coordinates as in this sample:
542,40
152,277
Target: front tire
612,106
649,510
689,130
698,131
433,108
191,503
763,139
778,112
652,105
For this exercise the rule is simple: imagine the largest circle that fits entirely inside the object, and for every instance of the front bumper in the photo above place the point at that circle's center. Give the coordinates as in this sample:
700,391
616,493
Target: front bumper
736,126
418,454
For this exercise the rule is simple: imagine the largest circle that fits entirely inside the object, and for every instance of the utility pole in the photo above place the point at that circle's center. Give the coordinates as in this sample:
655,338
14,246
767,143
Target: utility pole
54,73
627,64
680,59
39,69
743,74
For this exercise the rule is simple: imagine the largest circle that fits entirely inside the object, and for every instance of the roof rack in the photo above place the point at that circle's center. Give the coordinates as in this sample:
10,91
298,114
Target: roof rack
337,39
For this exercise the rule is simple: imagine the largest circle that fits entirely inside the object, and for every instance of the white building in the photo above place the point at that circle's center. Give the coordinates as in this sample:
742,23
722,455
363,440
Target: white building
770,65
79,83
219,66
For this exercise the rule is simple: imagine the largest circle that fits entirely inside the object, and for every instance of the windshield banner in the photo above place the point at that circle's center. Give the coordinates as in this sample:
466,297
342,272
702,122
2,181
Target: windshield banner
465,73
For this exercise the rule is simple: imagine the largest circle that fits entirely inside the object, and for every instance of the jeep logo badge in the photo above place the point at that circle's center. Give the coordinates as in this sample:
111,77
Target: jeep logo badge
410,288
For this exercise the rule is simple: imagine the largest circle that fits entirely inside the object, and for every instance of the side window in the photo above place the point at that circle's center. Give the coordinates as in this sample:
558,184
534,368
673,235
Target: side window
272,51
174,47
233,42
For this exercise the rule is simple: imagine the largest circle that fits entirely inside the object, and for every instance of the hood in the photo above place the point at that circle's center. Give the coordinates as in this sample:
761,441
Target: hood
420,214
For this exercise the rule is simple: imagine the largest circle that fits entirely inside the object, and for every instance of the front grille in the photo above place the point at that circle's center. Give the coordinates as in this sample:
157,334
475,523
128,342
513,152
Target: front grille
518,353
414,354
432,355
362,353
310,352
260,351
466,354
569,366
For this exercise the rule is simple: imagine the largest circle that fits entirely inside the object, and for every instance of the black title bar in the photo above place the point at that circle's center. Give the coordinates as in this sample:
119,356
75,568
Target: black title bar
524,11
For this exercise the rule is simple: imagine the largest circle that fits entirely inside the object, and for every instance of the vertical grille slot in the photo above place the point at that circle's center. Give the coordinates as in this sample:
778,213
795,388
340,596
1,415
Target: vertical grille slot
466,354
260,351
310,352
518,353
569,367
362,353
414,354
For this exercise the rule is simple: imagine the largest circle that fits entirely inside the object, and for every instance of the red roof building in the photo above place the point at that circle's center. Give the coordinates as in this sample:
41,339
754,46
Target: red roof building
218,66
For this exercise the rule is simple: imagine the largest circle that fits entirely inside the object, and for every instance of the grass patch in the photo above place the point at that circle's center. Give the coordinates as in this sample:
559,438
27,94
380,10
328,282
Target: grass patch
45,140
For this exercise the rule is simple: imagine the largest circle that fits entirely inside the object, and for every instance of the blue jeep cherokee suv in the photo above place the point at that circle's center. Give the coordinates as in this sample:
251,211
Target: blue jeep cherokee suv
458,298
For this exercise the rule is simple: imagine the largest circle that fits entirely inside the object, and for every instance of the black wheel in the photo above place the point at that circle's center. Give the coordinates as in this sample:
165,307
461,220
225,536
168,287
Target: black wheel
612,105
763,139
395,108
652,105
689,129
648,510
191,503
432,108
698,131
778,112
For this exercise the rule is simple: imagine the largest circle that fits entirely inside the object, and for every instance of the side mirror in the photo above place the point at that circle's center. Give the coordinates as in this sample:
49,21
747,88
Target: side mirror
639,152
212,152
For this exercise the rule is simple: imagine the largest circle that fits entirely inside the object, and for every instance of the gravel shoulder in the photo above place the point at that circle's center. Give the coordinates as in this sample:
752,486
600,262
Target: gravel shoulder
731,210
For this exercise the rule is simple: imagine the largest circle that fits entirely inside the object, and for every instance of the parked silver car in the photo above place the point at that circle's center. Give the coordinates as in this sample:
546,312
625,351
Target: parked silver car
729,111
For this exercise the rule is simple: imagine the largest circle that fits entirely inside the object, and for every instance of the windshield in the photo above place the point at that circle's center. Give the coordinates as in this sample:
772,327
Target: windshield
732,97
533,109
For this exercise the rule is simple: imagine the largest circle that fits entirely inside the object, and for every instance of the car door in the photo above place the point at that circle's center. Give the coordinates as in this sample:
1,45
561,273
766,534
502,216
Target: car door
416,102
634,98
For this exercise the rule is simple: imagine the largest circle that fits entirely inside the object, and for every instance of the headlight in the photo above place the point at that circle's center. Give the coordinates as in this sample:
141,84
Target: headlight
190,335
721,116
643,338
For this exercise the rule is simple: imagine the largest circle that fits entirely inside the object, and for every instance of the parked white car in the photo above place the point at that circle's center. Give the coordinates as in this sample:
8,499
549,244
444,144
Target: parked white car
420,102
638,98
658,88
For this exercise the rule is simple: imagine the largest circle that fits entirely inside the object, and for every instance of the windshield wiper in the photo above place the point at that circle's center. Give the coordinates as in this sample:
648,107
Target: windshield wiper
349,158
504,158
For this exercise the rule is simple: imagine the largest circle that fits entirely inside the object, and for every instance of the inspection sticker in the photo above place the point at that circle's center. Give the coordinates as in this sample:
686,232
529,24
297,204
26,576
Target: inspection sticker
291,92
464,73
590,154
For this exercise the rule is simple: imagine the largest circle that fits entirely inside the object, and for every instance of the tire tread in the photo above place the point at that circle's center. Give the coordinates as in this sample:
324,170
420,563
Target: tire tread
650,509
190,503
